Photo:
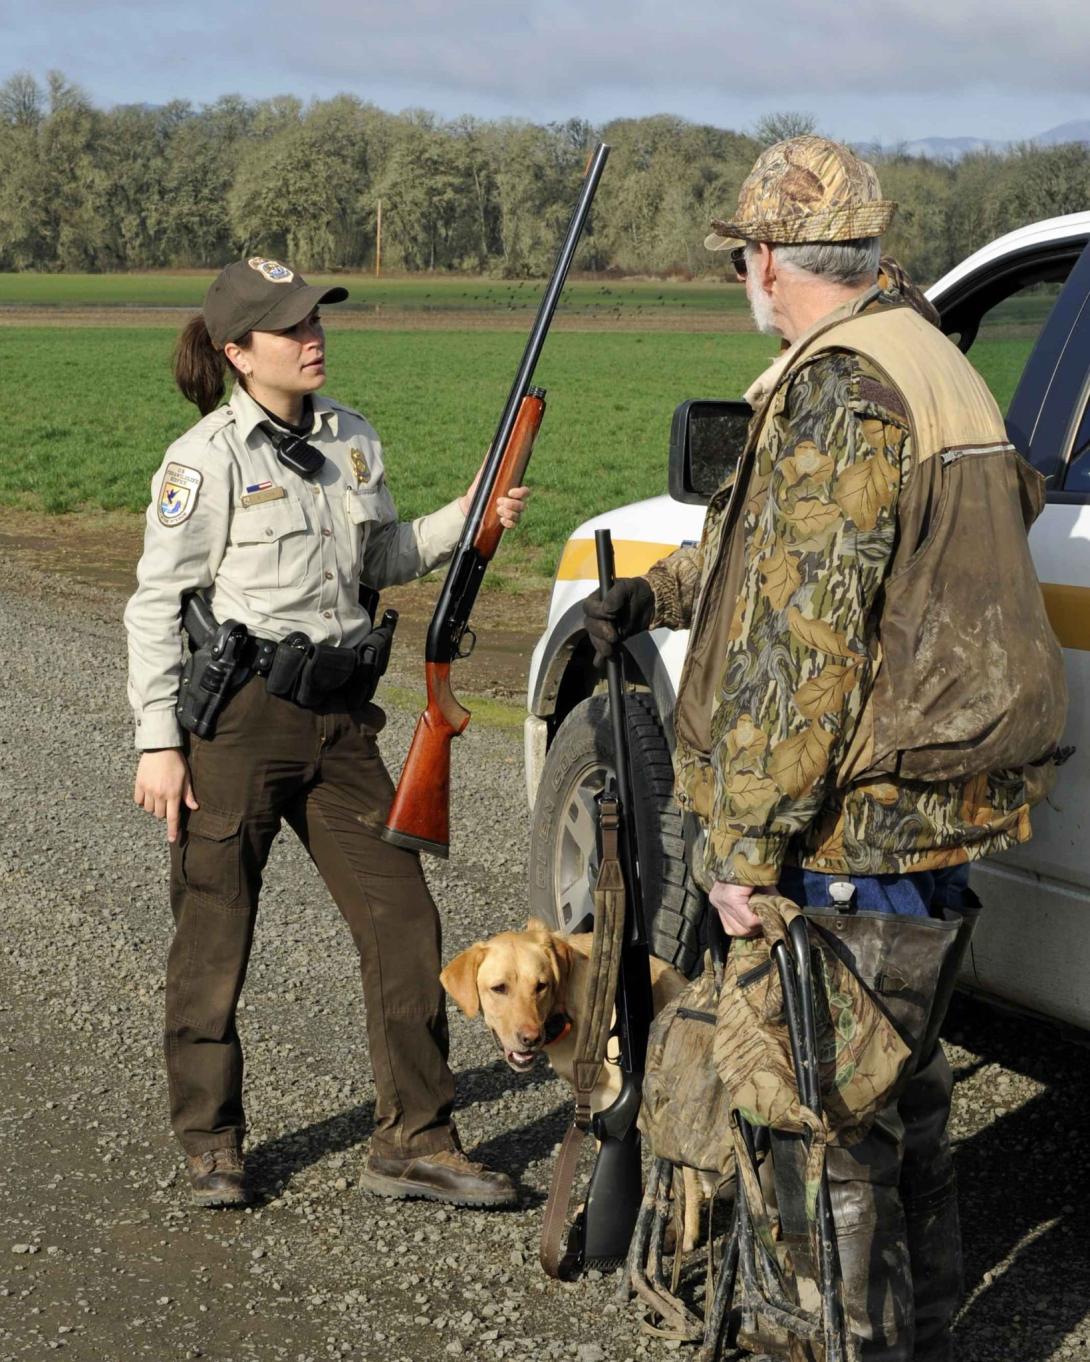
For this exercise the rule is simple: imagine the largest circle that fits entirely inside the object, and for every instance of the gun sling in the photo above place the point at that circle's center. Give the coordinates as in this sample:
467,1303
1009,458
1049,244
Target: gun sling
598,1002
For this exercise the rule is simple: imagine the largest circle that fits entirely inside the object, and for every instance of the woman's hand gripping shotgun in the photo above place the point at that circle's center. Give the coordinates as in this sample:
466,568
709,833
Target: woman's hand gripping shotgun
419,817
616,1184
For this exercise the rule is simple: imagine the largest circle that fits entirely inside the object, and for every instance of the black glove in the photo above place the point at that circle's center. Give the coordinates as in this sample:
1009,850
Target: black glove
626,610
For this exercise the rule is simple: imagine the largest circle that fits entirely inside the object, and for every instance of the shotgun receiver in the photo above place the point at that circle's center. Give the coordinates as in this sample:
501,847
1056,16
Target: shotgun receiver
419,816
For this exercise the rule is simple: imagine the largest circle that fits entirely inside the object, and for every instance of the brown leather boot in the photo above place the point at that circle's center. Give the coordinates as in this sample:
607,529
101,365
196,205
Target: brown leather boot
217,1178
445,1176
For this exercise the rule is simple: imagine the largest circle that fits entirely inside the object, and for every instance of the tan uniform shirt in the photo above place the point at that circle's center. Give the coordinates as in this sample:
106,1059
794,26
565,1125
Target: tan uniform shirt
268,548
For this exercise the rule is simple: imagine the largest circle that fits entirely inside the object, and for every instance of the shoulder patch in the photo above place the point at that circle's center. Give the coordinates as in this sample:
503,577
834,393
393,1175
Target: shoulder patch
178,493
878,394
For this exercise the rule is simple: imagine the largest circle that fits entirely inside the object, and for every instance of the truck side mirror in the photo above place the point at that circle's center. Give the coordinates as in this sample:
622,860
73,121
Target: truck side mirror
706,441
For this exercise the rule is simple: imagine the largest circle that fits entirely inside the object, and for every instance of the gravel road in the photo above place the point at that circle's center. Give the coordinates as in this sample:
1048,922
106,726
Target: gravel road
100,1255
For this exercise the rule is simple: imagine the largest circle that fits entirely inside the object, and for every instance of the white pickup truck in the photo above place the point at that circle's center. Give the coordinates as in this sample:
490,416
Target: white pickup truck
1020,308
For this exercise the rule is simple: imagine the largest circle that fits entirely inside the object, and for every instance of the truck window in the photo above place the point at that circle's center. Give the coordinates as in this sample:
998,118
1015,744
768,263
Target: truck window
997,314
1006,334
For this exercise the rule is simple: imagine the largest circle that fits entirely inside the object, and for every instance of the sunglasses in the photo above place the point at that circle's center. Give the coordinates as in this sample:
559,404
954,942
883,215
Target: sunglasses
738,261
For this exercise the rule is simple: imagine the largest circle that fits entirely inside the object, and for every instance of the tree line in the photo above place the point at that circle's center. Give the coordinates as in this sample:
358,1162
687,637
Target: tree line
137,187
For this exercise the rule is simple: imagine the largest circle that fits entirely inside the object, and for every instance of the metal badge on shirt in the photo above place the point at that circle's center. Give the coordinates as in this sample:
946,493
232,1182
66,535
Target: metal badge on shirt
178,494
359,467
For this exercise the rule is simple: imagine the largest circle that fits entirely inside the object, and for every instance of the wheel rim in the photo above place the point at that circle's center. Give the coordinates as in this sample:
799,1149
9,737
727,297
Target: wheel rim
575,856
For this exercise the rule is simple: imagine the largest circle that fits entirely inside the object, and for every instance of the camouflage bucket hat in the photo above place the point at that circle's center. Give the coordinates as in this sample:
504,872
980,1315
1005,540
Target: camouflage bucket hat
805,189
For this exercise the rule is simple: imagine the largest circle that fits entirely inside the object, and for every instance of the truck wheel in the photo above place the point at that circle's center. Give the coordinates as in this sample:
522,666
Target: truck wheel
563,853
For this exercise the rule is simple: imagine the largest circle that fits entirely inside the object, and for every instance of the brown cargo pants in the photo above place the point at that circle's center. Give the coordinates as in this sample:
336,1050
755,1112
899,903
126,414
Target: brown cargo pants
320,771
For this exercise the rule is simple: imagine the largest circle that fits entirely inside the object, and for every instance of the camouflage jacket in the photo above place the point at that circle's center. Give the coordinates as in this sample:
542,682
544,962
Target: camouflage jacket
810,546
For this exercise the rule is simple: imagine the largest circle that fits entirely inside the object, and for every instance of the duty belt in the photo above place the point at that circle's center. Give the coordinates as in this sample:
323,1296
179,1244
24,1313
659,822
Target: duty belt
226,655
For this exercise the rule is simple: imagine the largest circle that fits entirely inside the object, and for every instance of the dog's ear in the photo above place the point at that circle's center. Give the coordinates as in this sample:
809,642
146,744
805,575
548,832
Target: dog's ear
535,924
564,955
460,979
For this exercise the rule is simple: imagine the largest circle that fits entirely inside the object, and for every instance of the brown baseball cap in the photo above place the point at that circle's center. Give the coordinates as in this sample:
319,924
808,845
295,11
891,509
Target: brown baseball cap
260,295
805,189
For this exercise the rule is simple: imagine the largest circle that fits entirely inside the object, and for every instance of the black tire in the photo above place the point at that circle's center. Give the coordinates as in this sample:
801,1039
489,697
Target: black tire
563,864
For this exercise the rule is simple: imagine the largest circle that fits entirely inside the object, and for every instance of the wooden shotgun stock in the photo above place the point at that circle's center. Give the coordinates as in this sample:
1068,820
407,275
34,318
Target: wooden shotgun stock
419,817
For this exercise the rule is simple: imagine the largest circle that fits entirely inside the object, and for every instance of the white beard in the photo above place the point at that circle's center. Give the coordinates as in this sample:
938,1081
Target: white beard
760,305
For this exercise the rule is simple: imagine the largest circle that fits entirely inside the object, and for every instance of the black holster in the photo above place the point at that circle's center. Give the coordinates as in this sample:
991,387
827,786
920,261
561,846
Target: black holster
211,675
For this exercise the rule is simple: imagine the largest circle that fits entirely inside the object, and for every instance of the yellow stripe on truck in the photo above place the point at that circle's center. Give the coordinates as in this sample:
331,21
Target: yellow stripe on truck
579,561
1068,606
1069,614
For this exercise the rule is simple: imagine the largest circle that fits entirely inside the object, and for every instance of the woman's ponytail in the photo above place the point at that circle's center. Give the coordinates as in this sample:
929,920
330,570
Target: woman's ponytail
200,370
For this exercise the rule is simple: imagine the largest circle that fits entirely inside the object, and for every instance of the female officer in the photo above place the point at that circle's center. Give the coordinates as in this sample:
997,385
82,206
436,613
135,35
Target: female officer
274,508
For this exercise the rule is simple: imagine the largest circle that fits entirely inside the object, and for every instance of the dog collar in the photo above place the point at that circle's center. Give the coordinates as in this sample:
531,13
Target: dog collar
557,1027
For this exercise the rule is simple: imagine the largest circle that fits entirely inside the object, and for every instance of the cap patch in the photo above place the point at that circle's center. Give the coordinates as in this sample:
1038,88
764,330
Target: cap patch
272,270
178,494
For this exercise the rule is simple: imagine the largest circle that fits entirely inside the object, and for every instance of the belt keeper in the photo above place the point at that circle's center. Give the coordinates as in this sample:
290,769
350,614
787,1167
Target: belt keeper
264,655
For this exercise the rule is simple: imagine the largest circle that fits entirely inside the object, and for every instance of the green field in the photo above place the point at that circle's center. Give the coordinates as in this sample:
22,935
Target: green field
94,408
432,293
90,409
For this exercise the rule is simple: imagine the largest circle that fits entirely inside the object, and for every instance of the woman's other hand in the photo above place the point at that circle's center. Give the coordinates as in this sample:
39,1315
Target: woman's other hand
162,785
509,508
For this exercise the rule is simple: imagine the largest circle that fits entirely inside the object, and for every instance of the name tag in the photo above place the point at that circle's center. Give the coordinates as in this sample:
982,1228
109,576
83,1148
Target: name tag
267,494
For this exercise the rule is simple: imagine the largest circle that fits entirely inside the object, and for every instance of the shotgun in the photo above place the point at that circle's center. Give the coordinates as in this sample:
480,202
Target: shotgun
419,816
616,1184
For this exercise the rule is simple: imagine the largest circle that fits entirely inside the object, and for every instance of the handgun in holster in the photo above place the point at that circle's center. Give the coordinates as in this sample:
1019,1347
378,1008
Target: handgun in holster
214,670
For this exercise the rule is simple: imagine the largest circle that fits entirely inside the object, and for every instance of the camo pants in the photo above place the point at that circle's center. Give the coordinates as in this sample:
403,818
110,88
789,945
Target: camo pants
894,1194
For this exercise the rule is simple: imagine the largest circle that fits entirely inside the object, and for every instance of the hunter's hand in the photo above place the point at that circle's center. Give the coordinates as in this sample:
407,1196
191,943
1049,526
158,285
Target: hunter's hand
509,508
731,902
626,610
163,785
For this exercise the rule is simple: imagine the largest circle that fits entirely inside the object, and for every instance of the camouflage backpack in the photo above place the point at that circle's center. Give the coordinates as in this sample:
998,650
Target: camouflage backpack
685,1113
861,1056
721,1046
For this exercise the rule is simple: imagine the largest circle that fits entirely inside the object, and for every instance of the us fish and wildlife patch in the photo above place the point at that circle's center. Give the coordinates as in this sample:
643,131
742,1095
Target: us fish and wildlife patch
178,494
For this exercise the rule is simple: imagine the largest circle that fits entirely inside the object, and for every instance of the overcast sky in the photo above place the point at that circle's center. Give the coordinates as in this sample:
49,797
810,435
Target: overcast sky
867,70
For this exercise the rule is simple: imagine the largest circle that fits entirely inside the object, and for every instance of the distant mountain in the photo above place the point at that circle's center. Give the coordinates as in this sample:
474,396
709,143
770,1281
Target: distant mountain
954,148
950,148
1078,130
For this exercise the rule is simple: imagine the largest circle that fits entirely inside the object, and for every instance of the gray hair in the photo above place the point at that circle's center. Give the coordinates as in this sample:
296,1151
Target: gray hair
839,262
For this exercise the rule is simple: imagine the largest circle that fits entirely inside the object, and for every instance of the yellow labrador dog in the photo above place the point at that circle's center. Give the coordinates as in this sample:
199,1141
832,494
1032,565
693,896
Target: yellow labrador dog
528,986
